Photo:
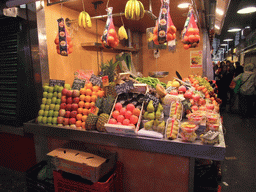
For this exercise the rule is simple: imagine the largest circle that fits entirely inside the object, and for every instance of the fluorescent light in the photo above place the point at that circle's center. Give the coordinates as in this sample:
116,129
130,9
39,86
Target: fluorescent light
247,10
219,11
228,40
234,30
216,26
183,5
223,44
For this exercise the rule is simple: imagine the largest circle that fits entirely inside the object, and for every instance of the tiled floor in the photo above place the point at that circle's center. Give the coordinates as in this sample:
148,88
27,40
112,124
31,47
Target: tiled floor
238,168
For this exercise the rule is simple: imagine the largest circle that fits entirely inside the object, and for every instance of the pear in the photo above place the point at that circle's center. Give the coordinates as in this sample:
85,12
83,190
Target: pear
150,107
151,116
158,114
161,127
149,125
156,122
145,116
160,107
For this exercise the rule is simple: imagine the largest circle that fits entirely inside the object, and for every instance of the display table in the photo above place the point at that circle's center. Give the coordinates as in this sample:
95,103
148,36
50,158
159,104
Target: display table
149,164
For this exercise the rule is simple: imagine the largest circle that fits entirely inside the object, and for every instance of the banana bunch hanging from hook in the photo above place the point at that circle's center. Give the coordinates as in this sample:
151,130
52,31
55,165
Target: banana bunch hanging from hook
134,10
84,20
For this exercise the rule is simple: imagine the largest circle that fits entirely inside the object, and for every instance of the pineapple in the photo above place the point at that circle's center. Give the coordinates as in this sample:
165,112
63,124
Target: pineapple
108,104
90,123
103,118
99,104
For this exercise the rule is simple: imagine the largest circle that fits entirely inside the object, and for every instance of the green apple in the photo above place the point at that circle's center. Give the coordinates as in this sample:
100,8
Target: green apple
46,88
58,101
55,94
54,99
59,95
52,106
49,95
39,119
54,120
44,100
45,94
55,113
49,120
50,114
57,107
49,101
41,112
46,113
67,86
44,120
42,106
47,107
60,89
51,89
56,87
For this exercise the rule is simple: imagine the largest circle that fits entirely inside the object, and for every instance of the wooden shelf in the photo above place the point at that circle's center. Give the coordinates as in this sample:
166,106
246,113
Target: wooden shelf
93,46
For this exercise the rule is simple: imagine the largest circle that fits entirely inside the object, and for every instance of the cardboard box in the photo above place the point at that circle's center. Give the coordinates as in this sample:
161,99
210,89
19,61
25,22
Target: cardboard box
88,165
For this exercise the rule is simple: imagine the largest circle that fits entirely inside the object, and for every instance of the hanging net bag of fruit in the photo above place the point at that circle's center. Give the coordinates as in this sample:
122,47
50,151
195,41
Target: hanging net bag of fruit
190,33
109,38
164,30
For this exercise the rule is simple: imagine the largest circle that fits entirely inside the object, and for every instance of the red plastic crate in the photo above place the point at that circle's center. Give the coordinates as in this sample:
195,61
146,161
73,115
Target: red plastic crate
75,183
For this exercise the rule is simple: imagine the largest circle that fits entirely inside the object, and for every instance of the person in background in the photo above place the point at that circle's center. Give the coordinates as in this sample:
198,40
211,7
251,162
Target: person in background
247,90
215,67
238,69
220,74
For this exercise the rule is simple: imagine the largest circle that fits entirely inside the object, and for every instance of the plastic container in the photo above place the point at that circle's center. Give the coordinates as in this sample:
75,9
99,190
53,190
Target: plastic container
214,127
188,131
35,185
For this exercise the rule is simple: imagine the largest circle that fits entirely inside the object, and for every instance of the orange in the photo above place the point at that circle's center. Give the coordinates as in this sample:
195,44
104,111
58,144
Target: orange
81,104
94,93
92,104
85,111
79,116
89,85
100,94
82,91
87,98
186,46
93,98
83,125
136,112
84,118
88,92
87,105
82,97
78,124
80,110
95,88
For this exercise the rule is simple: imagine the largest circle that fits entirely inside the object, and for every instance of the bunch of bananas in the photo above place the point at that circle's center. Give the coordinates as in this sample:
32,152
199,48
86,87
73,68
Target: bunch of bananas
134,10
84,20
122,33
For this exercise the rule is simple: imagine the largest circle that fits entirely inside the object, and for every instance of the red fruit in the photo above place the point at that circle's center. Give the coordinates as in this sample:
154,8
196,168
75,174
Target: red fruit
76,99
202,101
73,114
112,121
120,118
173,92
188,94
74,107
62,112
69,93
66,121
194,108
130,107
68,107
76,93
60,120
72,121
123,111
69,100
63,99
128,114
118,106
63,106
196,97
209,106
64,91
115,114
67,114
182,88
134,119
126,122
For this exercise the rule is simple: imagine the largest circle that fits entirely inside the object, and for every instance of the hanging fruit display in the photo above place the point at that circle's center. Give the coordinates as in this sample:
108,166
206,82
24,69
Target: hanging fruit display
164,30
64,44
109,38
134,10
122,33
190,33
84,20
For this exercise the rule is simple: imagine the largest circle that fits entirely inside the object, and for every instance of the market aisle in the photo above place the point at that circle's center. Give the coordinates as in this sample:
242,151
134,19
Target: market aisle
238,168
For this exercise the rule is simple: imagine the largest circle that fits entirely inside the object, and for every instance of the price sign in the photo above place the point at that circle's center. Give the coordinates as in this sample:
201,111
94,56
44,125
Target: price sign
78,84
53,82
149,97
124,87
96,80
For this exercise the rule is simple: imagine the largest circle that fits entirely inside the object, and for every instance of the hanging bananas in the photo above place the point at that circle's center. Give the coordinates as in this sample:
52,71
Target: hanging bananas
134,10
84,20
122,33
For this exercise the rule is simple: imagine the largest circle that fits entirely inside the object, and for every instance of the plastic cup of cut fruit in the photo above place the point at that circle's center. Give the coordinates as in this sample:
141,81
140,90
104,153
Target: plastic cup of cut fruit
212,118
214,127
188,127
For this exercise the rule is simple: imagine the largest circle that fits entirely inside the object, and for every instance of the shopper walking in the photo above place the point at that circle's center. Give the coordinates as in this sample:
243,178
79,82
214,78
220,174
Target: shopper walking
220,79
238,69
247,90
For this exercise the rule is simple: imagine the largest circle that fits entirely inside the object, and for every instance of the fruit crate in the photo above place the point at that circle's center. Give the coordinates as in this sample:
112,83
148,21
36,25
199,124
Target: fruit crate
68,182
36,185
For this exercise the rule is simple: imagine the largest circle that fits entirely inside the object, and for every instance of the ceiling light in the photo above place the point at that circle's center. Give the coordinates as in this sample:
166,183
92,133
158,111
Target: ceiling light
183,5
246,10
228,40
216,27
219,11
234,30
223,44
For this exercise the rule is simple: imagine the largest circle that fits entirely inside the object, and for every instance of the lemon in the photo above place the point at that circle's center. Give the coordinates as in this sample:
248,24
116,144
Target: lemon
175,84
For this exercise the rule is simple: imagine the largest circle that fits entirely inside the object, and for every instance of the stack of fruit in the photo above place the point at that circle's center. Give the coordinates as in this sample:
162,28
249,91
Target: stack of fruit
172,128
154,118
49,109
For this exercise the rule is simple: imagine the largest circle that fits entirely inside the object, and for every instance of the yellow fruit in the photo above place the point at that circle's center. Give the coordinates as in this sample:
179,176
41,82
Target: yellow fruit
175,84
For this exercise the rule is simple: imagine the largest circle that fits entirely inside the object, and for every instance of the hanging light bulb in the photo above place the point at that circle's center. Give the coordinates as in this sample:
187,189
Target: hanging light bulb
246,7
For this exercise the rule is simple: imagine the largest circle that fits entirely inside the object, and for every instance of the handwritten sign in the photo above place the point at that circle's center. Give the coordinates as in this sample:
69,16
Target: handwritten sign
78,84
149,97
95,80
53,82
124,87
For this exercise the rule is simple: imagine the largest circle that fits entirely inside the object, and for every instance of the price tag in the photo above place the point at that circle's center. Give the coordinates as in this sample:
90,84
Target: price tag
96,80
78,84
149,97
124,87
53,82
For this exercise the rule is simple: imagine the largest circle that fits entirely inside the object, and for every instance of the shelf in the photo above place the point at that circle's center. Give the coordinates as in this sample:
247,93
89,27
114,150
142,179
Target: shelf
93,46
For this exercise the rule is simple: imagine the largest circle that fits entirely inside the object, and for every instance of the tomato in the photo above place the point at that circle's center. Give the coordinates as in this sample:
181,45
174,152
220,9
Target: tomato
186,46
169,37
112,32
155,30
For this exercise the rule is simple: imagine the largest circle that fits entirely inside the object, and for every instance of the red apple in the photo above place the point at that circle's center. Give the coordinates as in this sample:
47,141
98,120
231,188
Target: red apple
188,94
202,101
194,108
63,106
73,114
64,91
118,106
128,114
112,121
130,107
68,107
74,107
182,88
209,106
72,121
67,114
69,93
173,92
69,100
62,112
126,122
123,111
115,114
60,120
76,93
120,118
63,99
134,119
76,100
196,97
66,121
